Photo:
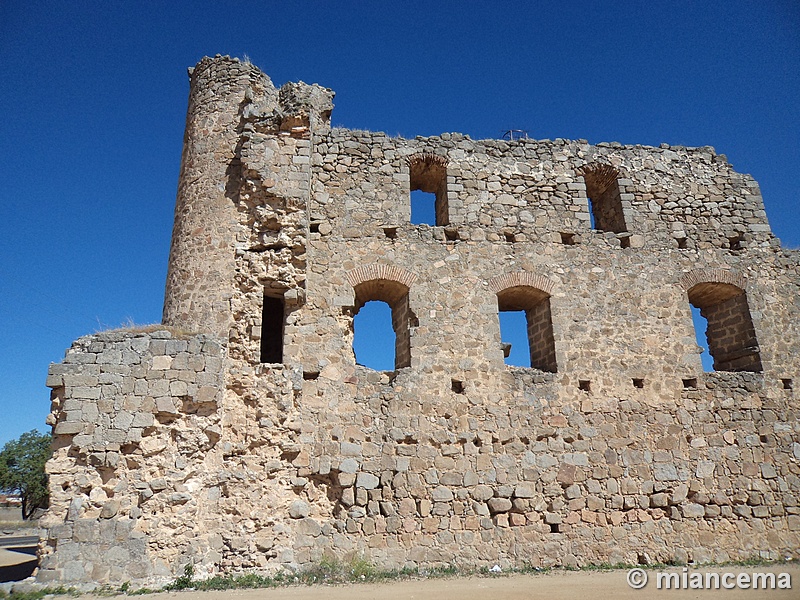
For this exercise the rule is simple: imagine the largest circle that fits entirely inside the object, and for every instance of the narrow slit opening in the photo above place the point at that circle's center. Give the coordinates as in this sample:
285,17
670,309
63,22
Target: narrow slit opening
273,319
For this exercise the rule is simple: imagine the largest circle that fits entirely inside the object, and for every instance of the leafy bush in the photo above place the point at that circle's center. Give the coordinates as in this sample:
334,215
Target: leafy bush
22,470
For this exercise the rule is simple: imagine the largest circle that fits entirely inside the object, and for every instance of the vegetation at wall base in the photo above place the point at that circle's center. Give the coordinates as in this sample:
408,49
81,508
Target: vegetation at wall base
357,569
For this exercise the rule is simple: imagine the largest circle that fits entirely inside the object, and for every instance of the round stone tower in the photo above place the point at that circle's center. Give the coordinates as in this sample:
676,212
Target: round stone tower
201,262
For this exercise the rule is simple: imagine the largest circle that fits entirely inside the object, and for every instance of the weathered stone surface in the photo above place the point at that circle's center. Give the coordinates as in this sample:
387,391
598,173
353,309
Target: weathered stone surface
442,494
659,500
498,505
299,509
693,511
110,509
665,472
525,491
348,465
368,481
481,493
705,468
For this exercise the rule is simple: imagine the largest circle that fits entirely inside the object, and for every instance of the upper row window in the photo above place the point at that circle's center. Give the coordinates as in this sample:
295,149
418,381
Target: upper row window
605,199
428,186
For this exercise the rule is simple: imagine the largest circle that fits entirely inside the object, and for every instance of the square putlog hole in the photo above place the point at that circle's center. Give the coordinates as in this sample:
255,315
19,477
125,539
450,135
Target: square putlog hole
585,385
390,232
690,384
682,243
787,384
638,383
457,386
568,239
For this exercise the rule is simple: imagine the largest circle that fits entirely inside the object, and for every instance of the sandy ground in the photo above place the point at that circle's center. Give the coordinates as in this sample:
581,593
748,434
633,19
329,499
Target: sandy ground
558,585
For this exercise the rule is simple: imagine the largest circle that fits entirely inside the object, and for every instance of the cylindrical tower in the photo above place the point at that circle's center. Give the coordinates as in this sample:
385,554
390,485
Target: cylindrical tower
201,262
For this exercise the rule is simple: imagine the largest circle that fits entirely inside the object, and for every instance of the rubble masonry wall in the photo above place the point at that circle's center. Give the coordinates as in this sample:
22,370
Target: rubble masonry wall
179,445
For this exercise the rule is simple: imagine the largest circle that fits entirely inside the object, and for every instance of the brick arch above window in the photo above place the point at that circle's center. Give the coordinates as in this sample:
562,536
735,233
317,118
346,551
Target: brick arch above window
702,276
427,160
599,174
374,272
521,279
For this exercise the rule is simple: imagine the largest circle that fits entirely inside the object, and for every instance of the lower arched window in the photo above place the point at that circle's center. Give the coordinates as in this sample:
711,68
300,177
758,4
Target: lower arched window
534,304
730,332
395,295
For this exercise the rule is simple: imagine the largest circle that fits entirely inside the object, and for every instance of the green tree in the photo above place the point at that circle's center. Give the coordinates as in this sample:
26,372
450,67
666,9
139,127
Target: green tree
22,470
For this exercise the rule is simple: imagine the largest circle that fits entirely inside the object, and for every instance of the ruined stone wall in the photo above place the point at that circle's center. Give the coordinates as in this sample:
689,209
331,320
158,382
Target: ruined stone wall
135,417
619,448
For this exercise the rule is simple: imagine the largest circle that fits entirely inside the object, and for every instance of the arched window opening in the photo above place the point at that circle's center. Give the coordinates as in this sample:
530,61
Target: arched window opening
395,295
374,337
525,320
428,189
605,200
730,334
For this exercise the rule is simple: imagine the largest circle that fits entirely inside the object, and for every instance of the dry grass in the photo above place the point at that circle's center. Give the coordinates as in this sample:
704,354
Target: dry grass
19,524
131,327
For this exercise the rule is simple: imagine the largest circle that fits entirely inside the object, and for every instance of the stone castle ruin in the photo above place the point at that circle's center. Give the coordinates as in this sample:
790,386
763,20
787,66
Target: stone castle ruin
242,434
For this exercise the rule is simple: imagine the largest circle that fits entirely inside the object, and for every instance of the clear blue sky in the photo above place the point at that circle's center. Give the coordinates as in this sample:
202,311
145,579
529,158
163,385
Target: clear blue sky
94,94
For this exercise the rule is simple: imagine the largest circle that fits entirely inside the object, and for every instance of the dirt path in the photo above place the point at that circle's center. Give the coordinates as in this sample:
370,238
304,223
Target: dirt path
551,586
